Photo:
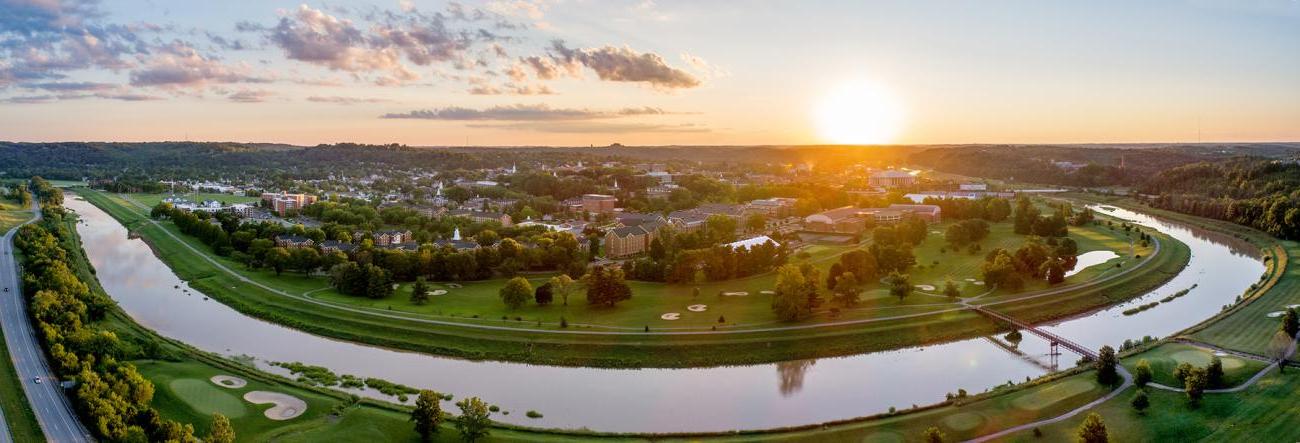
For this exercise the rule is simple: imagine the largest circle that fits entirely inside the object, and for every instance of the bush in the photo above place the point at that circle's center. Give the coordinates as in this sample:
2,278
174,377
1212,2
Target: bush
533,414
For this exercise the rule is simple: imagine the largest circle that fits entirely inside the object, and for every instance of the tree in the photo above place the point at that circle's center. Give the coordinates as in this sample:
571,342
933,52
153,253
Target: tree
278,258
1181,372
950,288
516,292
791,303
419,292
562,286
934,435
543,295
1195,384
1054,271
1093,430
1142,374
899,285
427,414
755,223
379,282
221,431
1106,366
1214,372
474,419
593,247
605,286
1290,323
487,237
1140,402
1278,347
846,289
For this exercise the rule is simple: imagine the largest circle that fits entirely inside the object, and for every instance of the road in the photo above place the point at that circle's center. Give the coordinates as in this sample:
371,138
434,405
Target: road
52,408
961,306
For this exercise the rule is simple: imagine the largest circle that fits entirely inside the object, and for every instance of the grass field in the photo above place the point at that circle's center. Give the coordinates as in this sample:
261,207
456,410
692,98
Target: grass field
477,302
1164,358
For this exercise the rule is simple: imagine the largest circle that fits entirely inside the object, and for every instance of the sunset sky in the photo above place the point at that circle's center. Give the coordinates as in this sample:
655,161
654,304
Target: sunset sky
650,72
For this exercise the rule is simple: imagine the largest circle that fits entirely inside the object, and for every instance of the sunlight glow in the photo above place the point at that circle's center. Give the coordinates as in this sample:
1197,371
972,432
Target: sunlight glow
859,113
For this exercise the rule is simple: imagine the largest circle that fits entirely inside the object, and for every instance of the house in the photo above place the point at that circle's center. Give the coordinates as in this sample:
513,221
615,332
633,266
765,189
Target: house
293,241
892,179
332,246
386,237
483,216
599,203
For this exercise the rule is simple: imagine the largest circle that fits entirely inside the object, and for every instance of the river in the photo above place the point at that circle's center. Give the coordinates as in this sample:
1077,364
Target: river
663,400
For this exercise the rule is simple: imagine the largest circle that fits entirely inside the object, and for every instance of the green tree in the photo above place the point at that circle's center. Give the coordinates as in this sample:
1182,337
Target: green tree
543,295
605,286
419,292
278,259
846,289
1140,402
1181,372
950,288
755,223
487,237
1106,364
1142,374
562,286
474,420
790,303
1195,384
899,285
427,414
1093,430
221,431
1290,323
934,435
516,292
1214,372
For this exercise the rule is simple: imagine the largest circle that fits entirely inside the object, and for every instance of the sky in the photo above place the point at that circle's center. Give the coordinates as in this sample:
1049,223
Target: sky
650,72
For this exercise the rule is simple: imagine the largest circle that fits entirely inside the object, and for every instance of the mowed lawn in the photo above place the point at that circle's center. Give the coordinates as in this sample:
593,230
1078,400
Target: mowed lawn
1250,329
1164,358
1265,412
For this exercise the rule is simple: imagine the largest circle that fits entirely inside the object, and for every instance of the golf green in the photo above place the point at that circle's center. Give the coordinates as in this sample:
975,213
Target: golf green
207,398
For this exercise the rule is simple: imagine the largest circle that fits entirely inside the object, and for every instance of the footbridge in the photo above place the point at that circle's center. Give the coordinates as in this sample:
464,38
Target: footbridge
1053,338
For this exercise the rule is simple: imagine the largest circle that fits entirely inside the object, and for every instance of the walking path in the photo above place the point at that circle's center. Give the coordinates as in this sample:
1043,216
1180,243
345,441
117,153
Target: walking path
636,332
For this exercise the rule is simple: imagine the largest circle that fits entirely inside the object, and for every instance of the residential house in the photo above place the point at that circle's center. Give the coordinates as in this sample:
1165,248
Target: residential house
332,246
293,241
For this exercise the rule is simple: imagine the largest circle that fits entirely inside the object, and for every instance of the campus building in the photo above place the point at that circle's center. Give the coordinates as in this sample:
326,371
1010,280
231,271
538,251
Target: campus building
282,202
854,220
599,203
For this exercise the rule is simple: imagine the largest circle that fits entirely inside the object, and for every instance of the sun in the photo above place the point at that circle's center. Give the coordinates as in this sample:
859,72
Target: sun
859,113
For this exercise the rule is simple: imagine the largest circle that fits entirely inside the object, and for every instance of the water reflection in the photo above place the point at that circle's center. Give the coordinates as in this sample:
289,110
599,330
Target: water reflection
791,373
648,400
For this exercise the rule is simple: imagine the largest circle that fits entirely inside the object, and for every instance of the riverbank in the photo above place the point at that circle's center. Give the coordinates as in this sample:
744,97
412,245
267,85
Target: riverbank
576,346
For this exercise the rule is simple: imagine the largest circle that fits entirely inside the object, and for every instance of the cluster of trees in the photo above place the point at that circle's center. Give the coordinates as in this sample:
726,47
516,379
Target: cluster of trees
606,286
367,280
966,232
111,395
20,194
1028,220
798,292
1035,260
1260,193
993,209
892,245
474,422
846,277
688,257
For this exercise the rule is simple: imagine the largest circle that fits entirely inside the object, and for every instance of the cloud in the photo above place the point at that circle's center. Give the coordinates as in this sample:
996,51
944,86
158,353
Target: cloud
43,39
178,65
590,127
48,98
249,96
511,89
338,100
72,86
700,65
312,36
521,112
619,64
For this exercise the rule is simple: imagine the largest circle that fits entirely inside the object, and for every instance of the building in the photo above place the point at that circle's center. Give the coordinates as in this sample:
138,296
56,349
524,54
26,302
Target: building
483,216
772,207
283,202
293,241
752,242
599,203
892,179
629,240
332,246
854,220
973,187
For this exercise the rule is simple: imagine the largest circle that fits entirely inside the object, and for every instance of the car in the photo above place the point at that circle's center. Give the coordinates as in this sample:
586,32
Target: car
38,380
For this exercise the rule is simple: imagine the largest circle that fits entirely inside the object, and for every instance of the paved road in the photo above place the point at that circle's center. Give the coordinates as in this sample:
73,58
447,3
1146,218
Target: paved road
962,306
53,410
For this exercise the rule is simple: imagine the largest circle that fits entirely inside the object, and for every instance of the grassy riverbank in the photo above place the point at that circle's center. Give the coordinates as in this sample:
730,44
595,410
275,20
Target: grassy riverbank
364,321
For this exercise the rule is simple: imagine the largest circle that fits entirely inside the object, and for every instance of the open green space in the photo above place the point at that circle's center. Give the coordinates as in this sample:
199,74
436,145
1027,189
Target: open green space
1164,358
308,303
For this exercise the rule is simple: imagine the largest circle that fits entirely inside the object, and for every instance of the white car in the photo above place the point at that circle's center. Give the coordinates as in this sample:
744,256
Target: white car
38,380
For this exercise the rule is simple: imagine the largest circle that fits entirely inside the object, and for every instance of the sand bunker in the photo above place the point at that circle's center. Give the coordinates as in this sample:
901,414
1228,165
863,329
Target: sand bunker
697,308
1276,314
925,287
438,292
970,280
227,381
1292,306
736,293
979,283
453,285
767,292
671,316
286,406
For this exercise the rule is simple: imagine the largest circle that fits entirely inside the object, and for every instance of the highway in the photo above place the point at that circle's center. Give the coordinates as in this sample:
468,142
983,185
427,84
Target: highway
52,408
